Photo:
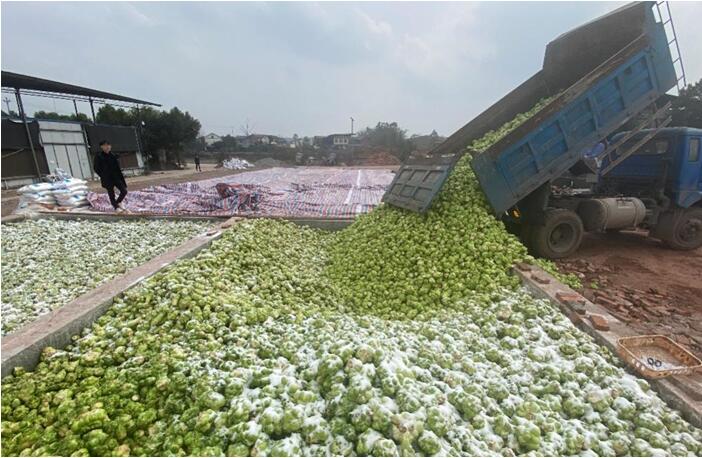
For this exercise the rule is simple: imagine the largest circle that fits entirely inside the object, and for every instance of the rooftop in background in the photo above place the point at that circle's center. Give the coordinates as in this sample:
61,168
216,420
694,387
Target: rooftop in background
32,83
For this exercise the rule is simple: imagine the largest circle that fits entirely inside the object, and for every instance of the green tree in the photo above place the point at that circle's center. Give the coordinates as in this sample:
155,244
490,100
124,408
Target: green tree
52,115
687,107
107,114
171,131
390,136
227,143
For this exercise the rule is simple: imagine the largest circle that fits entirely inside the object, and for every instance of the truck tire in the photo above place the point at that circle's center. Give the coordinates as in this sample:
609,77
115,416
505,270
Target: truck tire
558,236
682,230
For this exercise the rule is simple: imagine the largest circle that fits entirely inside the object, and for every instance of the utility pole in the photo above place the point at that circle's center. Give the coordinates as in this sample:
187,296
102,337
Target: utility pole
351,125
6,99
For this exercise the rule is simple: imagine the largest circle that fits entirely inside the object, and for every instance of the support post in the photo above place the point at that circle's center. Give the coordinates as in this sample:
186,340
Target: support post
92,108
140,142
86,143
22,114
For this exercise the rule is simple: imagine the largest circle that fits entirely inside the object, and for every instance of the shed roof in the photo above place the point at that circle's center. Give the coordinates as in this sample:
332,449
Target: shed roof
32,83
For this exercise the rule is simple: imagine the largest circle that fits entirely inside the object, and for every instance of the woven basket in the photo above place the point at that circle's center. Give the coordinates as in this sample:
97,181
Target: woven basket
657,356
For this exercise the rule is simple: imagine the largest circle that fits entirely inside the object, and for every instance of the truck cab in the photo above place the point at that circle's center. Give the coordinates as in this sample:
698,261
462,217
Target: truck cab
657,188
665,174
667,168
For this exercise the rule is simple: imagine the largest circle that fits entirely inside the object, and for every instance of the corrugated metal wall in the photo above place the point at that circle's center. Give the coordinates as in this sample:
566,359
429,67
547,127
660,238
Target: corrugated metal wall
65,148
123,140
66,145
17,161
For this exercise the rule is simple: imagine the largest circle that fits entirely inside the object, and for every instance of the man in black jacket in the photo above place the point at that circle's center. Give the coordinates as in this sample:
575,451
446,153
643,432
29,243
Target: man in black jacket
108,169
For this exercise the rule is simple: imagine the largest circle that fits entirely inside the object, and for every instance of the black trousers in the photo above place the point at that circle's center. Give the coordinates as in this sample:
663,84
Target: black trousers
197,167
122,187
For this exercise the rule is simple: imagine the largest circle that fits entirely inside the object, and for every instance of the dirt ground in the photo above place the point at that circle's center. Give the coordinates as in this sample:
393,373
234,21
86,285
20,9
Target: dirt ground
655,290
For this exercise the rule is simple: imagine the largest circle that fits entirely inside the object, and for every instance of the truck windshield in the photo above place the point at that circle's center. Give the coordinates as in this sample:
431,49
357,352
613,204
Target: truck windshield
651,148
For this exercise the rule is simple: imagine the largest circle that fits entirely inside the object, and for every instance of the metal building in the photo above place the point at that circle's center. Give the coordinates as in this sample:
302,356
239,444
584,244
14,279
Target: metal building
33,148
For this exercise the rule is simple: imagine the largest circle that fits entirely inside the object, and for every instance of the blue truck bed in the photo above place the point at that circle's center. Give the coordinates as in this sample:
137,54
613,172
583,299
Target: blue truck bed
603,74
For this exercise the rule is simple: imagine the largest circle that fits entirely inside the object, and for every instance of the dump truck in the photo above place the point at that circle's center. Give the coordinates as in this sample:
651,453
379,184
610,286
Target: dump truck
607,82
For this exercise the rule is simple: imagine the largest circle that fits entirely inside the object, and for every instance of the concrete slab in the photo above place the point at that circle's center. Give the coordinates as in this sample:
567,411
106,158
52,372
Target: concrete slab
13,219
23,347
683,393
121,216
329,224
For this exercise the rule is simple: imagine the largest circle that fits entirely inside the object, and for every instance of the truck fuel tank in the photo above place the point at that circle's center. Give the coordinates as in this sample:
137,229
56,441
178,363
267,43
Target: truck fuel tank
611,213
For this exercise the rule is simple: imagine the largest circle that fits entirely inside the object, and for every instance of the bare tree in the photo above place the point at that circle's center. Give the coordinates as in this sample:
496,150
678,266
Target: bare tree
247,129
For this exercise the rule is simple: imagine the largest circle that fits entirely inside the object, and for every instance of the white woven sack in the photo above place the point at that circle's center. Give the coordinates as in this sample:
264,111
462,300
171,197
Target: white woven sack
34,188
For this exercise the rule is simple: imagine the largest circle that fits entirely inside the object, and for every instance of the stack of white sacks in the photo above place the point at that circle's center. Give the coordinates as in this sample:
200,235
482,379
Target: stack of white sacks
71,192
63,190
36,195
236,164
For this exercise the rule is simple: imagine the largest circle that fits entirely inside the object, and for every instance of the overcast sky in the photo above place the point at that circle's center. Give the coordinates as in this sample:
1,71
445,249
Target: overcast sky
302,68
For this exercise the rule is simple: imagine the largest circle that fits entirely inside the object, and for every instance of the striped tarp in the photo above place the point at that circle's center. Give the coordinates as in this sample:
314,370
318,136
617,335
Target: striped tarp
279,192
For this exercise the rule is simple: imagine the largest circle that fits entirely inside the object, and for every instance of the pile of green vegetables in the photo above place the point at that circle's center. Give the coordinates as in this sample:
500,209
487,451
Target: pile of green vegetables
405,265
401,335
47,263
491,137
249,349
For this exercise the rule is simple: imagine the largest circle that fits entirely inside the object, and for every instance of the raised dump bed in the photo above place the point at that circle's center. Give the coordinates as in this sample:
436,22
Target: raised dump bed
595,78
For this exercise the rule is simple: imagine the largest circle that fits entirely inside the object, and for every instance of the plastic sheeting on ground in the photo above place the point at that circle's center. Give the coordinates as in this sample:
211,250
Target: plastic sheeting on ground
282,192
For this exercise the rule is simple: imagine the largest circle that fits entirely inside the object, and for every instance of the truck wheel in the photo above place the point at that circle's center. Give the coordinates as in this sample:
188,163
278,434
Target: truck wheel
558,236
685,230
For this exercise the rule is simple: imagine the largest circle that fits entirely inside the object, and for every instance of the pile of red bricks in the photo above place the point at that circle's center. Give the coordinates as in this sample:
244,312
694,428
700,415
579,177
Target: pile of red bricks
647,311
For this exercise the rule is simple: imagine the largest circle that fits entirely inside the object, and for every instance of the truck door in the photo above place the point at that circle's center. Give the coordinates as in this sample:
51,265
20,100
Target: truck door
690,178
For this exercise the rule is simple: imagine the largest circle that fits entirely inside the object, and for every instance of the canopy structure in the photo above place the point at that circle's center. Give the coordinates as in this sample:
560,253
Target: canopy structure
31,85
20,85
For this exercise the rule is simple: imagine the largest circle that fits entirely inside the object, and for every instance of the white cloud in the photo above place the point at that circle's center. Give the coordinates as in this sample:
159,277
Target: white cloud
304,67
438,48
137,15
377,27
686,16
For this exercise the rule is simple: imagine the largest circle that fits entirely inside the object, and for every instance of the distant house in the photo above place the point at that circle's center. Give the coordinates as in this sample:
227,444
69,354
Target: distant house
280,141
247,141
426,143
210,139
338,141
